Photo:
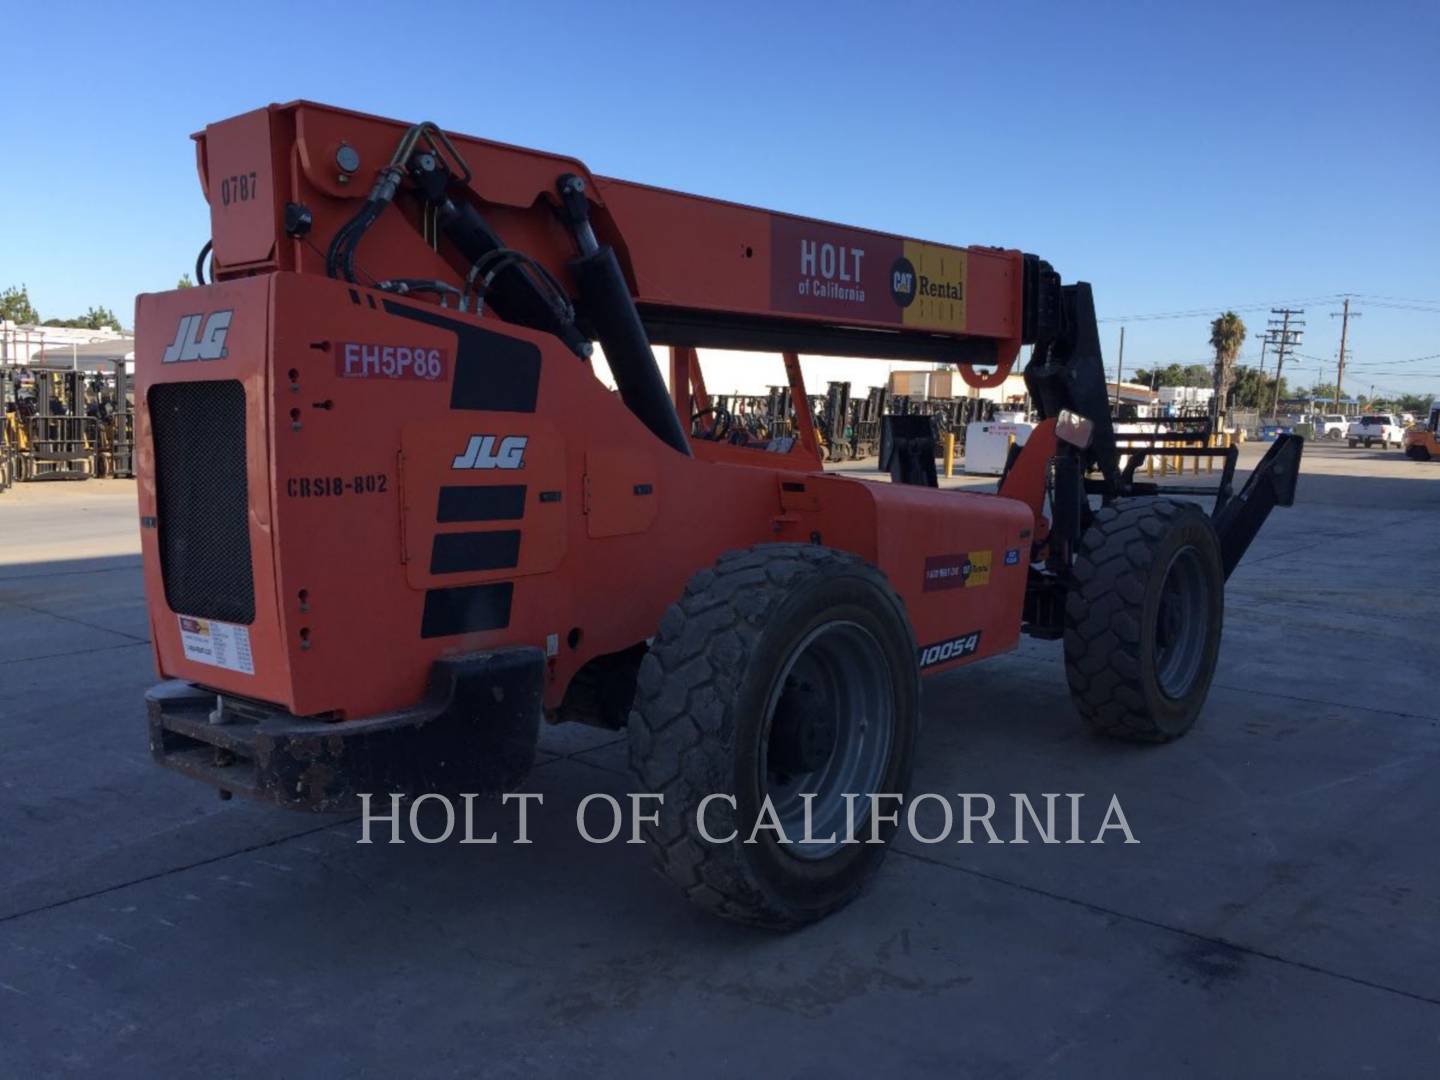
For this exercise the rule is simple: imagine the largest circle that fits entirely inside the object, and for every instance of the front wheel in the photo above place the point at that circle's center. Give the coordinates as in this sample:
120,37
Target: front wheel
1143,618
783,680
1354,443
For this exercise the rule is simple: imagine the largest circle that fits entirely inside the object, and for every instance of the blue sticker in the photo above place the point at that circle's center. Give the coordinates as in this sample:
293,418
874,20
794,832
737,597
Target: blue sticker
1012,557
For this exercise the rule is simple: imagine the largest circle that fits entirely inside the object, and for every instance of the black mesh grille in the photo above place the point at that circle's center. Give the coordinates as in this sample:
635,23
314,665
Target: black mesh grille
201,499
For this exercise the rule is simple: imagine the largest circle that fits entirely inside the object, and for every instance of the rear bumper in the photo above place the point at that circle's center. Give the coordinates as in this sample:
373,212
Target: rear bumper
475,731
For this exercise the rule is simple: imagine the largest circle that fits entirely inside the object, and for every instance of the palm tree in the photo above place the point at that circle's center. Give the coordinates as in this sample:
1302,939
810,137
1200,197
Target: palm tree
1227,334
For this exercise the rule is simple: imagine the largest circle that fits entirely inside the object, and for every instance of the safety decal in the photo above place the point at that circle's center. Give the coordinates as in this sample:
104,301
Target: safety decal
952,649
1012,557
968,570
222,645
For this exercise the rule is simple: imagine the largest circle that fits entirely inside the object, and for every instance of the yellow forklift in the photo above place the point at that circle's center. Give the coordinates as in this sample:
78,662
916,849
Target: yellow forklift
55,439
9,427
111,405
1421,442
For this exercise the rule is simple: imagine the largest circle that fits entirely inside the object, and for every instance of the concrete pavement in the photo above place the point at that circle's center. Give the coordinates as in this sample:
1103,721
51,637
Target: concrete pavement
1281,913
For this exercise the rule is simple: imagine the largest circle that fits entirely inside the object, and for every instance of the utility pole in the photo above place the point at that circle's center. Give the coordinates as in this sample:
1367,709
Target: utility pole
1344,316
1119,367
1284,334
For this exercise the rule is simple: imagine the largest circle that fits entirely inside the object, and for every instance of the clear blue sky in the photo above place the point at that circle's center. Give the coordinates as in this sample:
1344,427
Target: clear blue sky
1178,156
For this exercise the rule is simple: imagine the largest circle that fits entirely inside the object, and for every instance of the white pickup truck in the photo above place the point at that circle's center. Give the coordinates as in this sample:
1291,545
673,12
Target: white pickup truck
1382,428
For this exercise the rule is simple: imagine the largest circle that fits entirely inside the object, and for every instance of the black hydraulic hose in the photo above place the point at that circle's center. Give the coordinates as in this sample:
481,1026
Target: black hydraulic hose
353,235
341,254
332,252
608,306
200,262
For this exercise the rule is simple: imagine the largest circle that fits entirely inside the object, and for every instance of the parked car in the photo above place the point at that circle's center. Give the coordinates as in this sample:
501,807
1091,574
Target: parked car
1382,428
1331,426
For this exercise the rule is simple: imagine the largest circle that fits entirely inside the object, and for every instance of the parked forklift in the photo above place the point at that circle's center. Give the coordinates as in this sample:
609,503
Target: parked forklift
112,406
66,423
390,518
1422,441
55,438
9,426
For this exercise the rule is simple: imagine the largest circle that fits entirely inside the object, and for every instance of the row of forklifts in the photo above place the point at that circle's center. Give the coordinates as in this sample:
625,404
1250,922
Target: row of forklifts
847,427
70,423
65,422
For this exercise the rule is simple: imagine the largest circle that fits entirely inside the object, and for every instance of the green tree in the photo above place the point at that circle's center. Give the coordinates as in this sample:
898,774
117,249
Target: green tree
1174,375
184,282
1321,391
15,305
1417,403
1251,388
97,318
1227,334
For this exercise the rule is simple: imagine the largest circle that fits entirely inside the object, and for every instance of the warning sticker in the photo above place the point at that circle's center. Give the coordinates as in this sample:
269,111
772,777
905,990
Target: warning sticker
222,645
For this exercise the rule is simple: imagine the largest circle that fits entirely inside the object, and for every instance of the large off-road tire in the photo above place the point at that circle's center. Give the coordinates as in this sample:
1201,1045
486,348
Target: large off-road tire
1143,622
1417,452
785,669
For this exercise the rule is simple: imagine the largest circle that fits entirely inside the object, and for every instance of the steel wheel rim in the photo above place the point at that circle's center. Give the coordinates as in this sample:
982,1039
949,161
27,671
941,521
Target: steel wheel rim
847,661
1182,624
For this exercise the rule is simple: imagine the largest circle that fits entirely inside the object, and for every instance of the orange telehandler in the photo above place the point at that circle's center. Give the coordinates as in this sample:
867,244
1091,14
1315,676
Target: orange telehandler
391,518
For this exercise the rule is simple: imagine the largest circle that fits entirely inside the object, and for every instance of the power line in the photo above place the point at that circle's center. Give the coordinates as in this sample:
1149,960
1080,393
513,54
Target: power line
1396,363
1397,299
1404,307
1393,302
1211,312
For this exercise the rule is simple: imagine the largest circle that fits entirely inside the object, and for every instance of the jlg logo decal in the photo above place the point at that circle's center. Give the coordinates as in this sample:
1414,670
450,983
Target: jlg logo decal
194,343
482,452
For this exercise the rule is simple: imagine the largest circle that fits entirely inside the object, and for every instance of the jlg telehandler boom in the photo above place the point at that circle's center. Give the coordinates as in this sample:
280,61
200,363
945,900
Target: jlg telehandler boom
390,516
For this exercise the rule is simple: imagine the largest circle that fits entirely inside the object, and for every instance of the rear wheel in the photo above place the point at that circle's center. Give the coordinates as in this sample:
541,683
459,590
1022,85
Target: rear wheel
1143,620
784,676
1354,443
1417,452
